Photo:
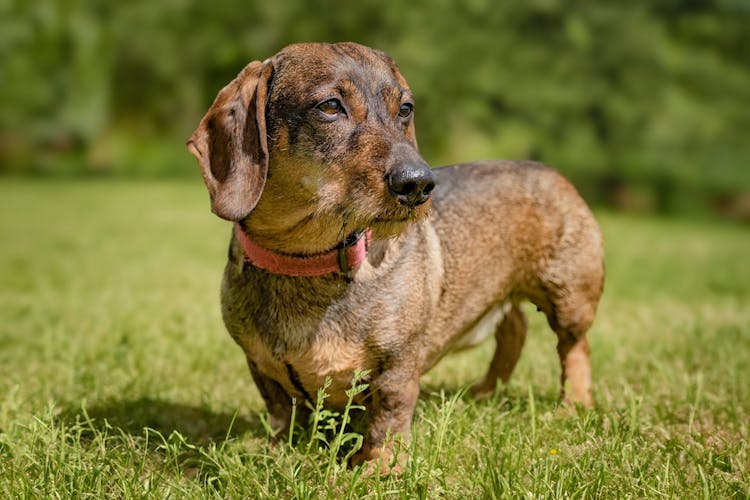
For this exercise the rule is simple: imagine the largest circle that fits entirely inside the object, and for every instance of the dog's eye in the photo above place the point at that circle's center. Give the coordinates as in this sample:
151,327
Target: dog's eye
405,110
330,107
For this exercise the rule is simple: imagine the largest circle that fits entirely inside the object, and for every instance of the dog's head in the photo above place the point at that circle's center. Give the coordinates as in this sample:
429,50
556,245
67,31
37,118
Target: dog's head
314,144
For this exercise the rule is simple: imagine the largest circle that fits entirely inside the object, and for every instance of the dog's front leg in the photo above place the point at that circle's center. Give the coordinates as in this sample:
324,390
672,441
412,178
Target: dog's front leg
278,403
394,396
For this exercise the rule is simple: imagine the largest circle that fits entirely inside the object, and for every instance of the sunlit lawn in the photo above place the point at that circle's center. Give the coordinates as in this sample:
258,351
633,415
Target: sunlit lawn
117,378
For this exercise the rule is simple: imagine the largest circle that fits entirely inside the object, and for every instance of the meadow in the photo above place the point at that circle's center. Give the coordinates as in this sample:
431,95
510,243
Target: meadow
119,381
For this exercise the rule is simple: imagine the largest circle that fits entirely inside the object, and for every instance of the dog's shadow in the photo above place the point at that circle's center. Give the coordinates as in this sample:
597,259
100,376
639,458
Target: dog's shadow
201,426
197,425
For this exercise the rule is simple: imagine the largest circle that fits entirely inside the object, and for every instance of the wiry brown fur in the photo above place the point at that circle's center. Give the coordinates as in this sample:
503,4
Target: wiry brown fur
498,232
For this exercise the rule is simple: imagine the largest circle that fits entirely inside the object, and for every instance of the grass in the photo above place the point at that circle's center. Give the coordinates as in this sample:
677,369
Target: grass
118,379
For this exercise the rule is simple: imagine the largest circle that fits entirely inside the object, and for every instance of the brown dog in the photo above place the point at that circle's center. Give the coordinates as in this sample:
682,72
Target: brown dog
316,145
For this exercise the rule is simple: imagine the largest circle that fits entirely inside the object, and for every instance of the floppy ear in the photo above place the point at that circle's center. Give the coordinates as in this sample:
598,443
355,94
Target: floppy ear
230,143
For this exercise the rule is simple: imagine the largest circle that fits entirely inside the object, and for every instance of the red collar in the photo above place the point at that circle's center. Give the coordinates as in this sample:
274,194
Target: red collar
345,257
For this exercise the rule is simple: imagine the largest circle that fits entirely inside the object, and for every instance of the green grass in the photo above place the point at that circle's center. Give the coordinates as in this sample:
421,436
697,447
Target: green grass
118,379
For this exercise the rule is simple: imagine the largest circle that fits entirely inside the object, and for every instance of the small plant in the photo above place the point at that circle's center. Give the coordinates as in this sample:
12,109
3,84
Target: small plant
329,433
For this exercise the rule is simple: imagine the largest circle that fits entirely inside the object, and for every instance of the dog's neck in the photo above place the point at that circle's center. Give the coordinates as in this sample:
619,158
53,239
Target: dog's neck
345,257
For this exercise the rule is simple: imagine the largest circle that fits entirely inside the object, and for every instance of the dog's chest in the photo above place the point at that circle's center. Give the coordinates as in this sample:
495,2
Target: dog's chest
302,370
298,340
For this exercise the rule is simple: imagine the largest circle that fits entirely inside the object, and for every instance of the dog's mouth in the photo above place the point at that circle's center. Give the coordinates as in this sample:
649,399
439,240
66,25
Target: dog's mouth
386,219
392,220
395,221
402,214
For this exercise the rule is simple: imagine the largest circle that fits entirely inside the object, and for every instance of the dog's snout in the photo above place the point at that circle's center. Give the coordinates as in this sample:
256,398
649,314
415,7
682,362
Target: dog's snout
411,184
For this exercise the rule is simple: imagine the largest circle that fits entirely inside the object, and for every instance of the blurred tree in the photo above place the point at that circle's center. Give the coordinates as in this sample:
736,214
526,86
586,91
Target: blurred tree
616,95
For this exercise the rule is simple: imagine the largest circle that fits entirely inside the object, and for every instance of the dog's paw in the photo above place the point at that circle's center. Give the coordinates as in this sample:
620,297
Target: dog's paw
378,461
378,467
485,390
570,407
576,395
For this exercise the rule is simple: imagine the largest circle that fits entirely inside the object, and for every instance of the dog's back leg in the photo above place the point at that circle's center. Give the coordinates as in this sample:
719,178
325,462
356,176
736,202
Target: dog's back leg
575,365
510,336
570,310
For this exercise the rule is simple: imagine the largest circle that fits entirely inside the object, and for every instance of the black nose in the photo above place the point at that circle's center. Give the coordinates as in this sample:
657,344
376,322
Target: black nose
411,184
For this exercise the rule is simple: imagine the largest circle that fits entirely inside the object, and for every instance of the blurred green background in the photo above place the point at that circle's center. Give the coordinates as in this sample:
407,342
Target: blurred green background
644,104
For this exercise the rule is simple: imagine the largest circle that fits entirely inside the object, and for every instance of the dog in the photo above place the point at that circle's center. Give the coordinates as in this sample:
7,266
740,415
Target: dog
349,253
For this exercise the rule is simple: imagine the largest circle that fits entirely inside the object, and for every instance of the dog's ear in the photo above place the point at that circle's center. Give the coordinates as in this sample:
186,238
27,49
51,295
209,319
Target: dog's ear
230,143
